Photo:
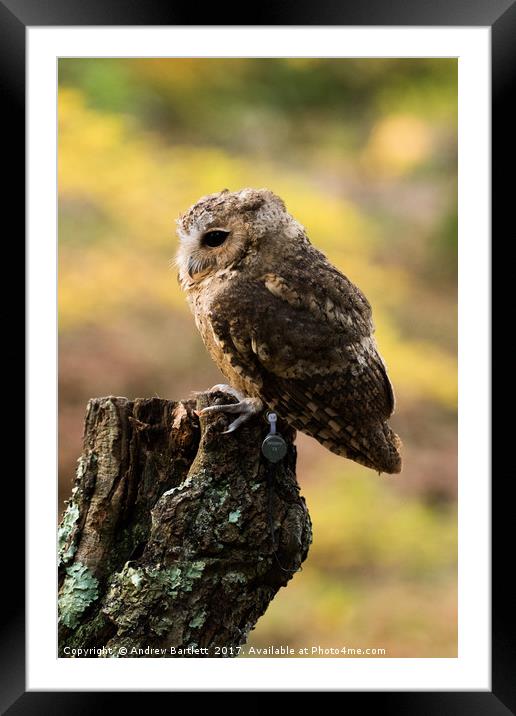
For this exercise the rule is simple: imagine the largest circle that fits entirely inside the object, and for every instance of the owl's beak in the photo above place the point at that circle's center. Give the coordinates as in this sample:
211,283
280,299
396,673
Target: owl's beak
197,267
190,266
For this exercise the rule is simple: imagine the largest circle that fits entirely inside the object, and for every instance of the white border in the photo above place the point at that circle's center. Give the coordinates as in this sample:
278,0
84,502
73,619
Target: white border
471,670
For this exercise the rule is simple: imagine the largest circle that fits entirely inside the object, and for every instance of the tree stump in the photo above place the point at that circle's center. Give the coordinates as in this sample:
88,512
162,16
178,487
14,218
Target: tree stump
176,537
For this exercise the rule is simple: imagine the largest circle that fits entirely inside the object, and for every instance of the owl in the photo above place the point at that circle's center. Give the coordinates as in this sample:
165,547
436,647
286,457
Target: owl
285,327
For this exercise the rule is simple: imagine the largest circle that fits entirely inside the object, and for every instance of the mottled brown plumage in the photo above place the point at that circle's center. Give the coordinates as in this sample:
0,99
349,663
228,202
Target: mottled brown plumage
285,326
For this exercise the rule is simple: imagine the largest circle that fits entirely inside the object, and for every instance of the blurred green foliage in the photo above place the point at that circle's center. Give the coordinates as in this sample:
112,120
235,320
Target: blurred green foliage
363,151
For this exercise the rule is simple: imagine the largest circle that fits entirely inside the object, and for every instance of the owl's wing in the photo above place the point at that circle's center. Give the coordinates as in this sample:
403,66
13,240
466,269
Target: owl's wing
320,331
307,342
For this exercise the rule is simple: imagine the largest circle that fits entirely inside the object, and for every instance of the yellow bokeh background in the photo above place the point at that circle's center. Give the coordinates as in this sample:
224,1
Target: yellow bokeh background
363,152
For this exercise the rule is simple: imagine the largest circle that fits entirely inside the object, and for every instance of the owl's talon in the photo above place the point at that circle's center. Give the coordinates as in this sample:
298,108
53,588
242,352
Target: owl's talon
229,408
225,388
245,408
236,423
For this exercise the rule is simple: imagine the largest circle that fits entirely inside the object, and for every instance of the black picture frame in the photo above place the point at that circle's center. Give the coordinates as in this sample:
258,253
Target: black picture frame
500,16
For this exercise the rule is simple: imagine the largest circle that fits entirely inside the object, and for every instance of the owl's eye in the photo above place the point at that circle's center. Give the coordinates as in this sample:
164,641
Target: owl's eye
214,238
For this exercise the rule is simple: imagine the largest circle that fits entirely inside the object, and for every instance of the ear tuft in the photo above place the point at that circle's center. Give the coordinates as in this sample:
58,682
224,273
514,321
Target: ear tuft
253,203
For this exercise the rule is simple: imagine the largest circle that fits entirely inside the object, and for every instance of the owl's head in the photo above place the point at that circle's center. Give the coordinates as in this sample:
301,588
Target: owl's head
221,229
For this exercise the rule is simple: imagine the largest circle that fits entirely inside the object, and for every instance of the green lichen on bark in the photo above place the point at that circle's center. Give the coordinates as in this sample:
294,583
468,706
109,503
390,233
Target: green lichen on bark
198,619
79,590
175,527
234,516
67,548
68,529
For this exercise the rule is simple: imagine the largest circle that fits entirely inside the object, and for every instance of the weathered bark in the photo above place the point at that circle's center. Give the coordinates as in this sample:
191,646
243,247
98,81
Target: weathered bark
176,537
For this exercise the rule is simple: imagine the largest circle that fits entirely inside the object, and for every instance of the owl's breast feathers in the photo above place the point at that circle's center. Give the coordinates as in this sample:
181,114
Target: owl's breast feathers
306,347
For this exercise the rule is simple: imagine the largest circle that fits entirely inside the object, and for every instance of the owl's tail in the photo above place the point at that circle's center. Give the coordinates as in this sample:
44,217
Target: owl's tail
388,458
378,449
